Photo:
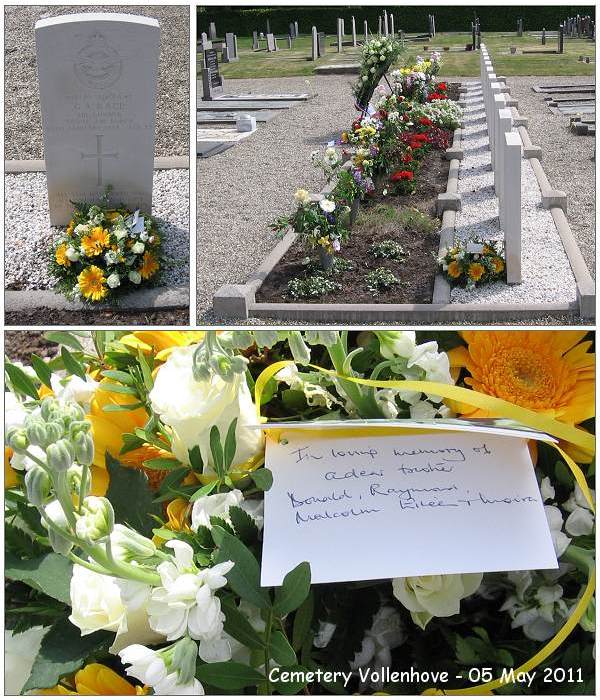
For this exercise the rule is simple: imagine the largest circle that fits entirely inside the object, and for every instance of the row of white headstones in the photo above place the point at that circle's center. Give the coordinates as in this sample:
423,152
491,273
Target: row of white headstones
506,154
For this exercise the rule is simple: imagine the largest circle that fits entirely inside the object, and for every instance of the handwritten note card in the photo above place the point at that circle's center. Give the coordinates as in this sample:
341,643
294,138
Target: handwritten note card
383,506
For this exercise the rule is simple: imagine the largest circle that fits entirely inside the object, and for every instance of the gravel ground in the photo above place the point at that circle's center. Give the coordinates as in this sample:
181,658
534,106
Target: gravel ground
248,186
568,159
22,119
547,275
29,235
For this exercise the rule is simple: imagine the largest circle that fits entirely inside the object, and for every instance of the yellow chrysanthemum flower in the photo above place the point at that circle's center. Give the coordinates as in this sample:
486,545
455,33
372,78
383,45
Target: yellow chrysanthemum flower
92,283
60,255
95,242
95,679
149,266
550,372
70,227
498,264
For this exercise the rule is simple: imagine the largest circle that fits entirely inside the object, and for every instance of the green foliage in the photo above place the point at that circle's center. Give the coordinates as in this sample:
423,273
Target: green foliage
50,574
311,287
64,651
131,497
293,591
229,675
380,279
389,249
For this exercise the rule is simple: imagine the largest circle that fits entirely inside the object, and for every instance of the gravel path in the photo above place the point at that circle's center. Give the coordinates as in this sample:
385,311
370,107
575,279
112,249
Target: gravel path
546,273
567,158
29,235
22,119
248,186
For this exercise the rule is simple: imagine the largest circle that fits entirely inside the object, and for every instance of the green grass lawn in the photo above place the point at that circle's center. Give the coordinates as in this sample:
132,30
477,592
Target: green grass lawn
295,62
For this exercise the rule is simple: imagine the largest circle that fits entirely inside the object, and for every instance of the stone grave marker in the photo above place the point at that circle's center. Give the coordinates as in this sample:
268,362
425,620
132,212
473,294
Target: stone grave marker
366,30
314,54
231,44
271,43
97,80
511,197
519,27
386,30
392,30
379,25
212,31
339,35
322,44
291,30
203,38
255,44
561,39
212,81
353,31
289,41
544,36
296,31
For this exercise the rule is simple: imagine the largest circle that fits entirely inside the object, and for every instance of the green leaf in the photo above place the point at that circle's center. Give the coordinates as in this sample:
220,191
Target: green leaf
146,371
293,591
163,464
62,652
119,389
229,675
71,364
196,459
205,490
243,524
21,383
239,628
302,622
216,450
42,370
130,442
262,478
118,376
50,574
281,650
116,407
230,445
64,338
131,497
244,577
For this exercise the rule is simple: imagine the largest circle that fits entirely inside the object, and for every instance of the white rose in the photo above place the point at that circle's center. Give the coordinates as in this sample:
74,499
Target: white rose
327,205
138,247
14,412
120,233
218,505
72,254
95,601
434,596
195,407
135,277
113,281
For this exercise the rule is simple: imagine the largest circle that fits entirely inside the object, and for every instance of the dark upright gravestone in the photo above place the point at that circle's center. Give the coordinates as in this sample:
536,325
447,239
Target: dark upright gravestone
292,31
212,31
212,81
543,36
561,38
321,38
296,31
231,45
255,44
271,43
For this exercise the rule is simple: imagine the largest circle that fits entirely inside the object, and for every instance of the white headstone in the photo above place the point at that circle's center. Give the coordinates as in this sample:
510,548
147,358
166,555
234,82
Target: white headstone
353,31
392,30
339,35
504,126
98,76
511,184
366,24
385,23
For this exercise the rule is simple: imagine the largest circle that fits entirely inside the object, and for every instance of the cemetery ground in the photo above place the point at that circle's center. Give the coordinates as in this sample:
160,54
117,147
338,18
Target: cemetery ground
246,188
29,236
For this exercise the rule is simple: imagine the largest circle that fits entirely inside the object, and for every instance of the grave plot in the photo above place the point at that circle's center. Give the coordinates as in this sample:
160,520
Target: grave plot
449,218
109,226
575,101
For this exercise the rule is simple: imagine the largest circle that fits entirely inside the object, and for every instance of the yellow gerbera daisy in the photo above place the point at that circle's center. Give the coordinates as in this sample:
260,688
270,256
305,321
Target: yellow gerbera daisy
95,242
454,270
92,283
476,271
149,266
60,255
95,679
70,227
498,264
160,342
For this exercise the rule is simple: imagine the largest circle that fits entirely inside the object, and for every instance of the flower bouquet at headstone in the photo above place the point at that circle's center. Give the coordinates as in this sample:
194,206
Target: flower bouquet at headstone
135,483
106,252
378,55
322,225
474,263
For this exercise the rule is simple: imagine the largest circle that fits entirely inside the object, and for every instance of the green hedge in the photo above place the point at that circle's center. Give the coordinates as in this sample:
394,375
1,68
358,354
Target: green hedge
243,20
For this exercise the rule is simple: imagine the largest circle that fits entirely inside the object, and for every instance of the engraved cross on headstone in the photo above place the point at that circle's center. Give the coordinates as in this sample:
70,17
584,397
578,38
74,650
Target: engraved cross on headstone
99,156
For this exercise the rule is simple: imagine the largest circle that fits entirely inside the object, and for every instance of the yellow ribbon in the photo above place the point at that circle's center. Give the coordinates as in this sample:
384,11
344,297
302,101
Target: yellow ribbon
502,409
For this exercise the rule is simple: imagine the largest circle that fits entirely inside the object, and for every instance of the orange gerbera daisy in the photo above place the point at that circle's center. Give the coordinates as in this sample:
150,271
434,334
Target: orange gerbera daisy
498,265
454,270
476,271
149,266
95,242
550,372
60,255
94,679
92,283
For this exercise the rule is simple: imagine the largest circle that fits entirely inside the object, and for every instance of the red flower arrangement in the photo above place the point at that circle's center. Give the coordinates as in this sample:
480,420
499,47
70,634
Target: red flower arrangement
442,87
436,96
424,121
400,175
